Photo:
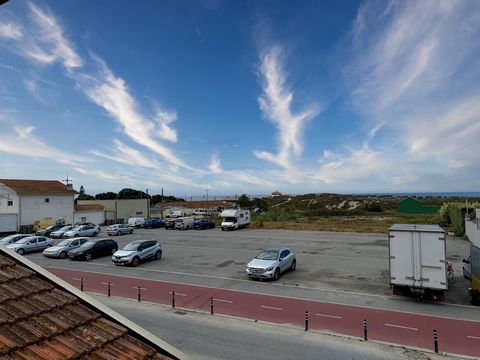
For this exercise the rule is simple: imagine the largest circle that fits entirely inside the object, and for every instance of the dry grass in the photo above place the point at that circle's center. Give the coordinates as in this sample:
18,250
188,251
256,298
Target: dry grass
378,223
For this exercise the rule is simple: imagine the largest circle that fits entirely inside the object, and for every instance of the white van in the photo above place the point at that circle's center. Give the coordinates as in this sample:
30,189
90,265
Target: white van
136,222
184,223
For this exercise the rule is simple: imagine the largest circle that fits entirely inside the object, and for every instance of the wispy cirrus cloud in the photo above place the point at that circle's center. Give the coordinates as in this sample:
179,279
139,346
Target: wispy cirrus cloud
10,30
24,142
215,165
276,106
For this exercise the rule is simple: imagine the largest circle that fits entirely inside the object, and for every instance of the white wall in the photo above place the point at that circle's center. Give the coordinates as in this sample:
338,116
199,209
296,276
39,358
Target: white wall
35,207
96,217
5,195
472,228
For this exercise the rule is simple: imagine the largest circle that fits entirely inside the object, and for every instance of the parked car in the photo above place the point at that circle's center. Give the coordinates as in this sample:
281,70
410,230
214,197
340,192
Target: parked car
203,224
154,223
61,250
119,229
136,222
11,239
59,233
136,251
83,230
31,244
94,248
170,224
184,223
270,263
48,230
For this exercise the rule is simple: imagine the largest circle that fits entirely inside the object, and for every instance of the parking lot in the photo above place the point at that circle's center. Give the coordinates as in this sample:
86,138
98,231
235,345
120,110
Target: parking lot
348,262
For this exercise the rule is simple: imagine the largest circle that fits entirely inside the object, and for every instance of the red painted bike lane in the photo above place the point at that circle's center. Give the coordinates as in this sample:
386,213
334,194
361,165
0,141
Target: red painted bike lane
454,336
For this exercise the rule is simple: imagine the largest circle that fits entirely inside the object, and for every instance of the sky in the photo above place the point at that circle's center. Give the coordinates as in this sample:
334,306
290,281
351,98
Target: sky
235,97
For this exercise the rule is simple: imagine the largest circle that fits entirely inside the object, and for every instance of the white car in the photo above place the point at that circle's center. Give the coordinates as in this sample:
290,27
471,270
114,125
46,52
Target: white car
11,239
119,229
270,263
59,233
31,244
136,222
136,251
83,230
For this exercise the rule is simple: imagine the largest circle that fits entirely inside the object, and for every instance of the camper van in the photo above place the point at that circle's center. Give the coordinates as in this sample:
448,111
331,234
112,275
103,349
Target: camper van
233,219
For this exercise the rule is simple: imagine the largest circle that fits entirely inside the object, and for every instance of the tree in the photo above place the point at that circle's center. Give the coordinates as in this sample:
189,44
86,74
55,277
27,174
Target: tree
244,201
82,195
128,193
166,198
106,196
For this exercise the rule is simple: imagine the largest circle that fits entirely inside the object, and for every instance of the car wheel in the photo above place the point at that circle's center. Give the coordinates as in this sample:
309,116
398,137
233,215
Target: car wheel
135,261
76,235
158,255
188,228
88,257
276,274
131,231
94,234
294,265
63,255
20,251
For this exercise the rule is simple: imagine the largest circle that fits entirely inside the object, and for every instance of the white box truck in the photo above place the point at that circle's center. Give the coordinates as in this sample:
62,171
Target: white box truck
233,219
417,261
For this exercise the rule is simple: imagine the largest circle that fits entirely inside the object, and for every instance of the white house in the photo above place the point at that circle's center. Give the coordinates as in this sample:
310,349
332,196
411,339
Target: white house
472,227
93,213
28,201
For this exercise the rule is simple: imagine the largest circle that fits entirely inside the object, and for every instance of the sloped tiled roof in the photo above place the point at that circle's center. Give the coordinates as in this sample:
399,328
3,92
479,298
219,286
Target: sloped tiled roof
197,204
89,207
41,319
37,187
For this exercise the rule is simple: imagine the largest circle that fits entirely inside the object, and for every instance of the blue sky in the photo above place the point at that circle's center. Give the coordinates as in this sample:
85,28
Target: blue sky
242,96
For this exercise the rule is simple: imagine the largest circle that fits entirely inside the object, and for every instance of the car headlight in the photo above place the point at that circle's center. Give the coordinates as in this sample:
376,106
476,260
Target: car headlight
269,268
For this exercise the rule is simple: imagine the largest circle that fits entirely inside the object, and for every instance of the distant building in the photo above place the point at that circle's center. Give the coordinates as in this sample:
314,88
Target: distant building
118,211
26,201
276,193
472,227
93,213
414,206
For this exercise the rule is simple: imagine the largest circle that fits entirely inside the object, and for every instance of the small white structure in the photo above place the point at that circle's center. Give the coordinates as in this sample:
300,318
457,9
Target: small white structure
233,219
93,213
34,200
472,227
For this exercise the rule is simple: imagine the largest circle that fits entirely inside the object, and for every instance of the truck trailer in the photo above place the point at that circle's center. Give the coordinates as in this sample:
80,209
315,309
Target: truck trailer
417,261
233,219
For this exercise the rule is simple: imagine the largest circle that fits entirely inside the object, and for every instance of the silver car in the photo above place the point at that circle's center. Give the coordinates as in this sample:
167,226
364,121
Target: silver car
270,263
31,244
10,239
119,229
137,251
83,230
59,233
61,250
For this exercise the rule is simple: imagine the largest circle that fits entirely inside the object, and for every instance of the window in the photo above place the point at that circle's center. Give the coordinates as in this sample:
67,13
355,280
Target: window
41,239
47,200
10,203
284,254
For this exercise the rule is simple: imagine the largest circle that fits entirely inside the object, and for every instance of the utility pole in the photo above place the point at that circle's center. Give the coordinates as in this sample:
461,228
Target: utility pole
161,206
148,205
206,190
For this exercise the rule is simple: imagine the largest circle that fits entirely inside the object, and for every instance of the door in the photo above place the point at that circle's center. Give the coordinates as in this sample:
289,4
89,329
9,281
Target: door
284,264
42,243
147,250
31,245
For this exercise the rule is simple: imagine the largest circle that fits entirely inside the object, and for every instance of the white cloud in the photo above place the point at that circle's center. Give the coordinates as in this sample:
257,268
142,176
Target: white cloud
164,119
105,175
215,165
276,106
24,142
9,30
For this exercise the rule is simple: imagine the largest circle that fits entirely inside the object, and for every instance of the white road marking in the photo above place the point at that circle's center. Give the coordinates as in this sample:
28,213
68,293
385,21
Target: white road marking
473,337
402,327
271,307
177,293
329,316
222,300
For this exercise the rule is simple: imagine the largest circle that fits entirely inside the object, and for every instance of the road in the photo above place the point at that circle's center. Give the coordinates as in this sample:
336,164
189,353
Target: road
203,337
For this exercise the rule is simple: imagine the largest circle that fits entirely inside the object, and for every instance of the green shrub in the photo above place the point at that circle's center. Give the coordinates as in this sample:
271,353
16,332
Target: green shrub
373,206
451,214
275,214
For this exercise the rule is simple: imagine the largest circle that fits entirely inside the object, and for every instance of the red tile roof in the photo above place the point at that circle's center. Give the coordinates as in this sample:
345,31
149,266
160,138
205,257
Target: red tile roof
197,204
40,319
89,207
37,187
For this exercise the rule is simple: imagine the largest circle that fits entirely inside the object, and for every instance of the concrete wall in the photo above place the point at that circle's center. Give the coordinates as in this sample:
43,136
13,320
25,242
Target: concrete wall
35,207
7,194
96,217
122,209
472,228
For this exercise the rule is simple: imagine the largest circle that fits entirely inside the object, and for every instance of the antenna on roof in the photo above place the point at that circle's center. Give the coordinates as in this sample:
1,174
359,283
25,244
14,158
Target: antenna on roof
68,182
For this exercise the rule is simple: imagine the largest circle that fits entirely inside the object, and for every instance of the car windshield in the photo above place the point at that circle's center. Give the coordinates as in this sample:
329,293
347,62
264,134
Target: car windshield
87,245
132,246
65,228
268,255
23,241
7,238
231,219
76,228
64,243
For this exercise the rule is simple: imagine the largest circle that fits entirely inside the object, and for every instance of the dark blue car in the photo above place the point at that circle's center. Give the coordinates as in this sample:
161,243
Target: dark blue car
154,223
203,224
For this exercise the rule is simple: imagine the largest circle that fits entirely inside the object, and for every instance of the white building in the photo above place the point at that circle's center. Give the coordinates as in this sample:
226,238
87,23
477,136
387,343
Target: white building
472,227
93,213
28,201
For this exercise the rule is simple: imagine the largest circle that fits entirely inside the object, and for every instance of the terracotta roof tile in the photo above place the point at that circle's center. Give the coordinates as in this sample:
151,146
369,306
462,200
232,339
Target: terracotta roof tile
37,187
39,320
